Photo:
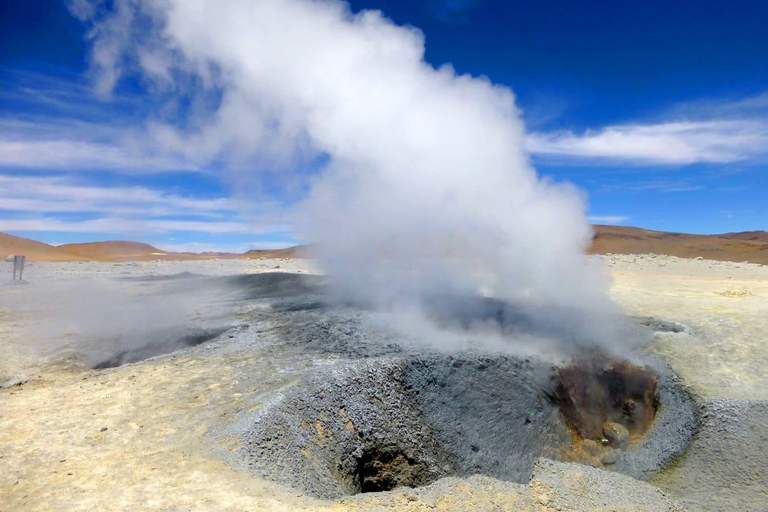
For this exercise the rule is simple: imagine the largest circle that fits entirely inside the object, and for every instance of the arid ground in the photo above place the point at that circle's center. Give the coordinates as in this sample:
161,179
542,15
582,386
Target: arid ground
160,434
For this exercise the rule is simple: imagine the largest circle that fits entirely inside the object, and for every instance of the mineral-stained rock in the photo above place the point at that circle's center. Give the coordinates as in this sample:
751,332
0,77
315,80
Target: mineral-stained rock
617,434
591,447
608,456
583,457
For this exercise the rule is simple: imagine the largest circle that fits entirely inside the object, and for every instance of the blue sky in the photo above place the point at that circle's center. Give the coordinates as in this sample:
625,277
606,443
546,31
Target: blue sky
657,110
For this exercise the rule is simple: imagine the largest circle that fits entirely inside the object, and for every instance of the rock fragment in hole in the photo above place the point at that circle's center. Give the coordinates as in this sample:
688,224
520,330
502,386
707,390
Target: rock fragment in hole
591,447
609,456
617,434
594,454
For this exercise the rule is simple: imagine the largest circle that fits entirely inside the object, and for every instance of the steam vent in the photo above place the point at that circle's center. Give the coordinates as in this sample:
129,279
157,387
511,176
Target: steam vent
607,405
382,414
374,425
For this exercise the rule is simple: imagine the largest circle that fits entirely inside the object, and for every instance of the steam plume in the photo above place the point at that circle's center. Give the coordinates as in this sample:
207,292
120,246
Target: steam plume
427,190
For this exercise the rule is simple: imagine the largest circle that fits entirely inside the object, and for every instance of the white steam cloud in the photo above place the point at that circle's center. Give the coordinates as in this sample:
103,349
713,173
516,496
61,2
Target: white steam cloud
427,191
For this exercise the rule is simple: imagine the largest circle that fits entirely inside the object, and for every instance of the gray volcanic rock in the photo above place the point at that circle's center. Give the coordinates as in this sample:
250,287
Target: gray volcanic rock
490,411
577,487
372,412
724,469
349,429
404,421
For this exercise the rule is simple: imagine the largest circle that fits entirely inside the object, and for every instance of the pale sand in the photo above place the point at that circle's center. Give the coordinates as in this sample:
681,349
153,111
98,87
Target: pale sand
153,454
725,305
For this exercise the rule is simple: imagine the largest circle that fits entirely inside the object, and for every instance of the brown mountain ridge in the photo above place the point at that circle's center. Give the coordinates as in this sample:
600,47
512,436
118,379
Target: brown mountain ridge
751,246
116,251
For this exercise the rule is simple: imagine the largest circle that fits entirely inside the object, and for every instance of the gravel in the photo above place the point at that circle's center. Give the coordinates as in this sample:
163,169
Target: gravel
724,469
578,487
418,416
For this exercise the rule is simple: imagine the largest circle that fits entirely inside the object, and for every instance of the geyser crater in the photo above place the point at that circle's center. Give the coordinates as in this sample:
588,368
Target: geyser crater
387,422
372,412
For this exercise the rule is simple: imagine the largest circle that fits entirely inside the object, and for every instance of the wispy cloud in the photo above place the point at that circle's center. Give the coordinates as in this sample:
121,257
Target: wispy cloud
56,194
748,107
59,145
63,95
660,185
56,123
672,143
81,155
608,219
141,226
32,203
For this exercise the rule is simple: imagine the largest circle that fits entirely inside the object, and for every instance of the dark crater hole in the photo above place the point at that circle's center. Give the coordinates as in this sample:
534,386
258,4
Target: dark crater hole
383,468
405,421
163,342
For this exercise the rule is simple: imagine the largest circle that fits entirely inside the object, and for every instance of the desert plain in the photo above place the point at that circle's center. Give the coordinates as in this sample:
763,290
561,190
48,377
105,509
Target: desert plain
171,432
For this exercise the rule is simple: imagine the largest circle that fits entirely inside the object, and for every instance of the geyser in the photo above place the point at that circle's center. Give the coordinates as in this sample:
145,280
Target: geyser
419,184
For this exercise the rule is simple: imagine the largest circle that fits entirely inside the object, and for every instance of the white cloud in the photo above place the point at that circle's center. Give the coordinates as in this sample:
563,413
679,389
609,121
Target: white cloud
61,194
81,155
141,226
608,219
749,107
42,200
658,185
666,187
63,97
673,143
63,127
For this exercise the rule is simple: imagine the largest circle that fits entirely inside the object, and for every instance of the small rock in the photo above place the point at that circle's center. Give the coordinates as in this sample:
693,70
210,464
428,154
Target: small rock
591,447
608,456
103,429
582,457
617,434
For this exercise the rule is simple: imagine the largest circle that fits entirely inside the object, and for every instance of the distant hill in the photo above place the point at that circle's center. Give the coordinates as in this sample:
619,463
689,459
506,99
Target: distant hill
115,251
38,251
291,252
755,236
749,246
112,251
